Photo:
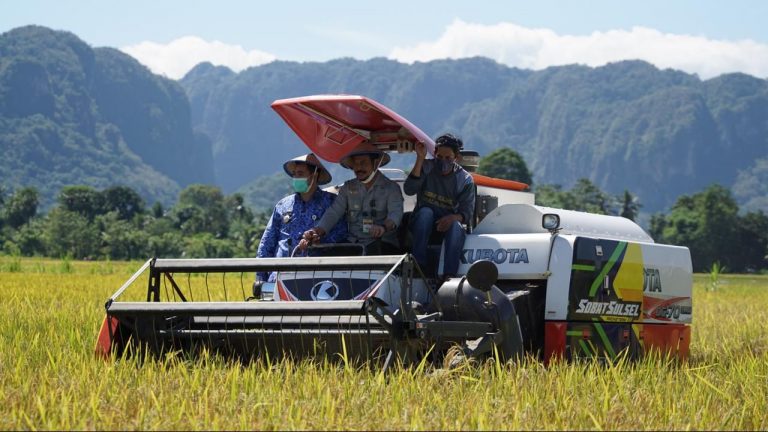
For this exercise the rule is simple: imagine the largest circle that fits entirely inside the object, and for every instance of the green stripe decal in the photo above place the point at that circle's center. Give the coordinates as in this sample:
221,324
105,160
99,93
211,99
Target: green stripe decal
585,348
584,267
573,333
611,262
606,342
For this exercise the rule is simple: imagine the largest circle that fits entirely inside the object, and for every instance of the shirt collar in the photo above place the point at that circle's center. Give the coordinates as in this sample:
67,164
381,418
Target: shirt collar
315,196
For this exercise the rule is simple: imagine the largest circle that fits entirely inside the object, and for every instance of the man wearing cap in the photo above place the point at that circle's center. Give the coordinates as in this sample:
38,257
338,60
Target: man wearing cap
372,203
300,211
445,199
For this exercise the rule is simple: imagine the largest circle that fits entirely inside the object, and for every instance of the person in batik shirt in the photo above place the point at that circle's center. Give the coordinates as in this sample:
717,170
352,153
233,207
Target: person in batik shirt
299,212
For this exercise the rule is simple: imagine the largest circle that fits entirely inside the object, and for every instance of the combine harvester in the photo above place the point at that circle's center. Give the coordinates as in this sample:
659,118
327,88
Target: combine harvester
533,280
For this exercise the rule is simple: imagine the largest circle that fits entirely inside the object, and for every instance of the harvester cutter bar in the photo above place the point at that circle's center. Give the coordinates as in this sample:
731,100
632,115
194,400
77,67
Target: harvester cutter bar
261,331
341,307
221,265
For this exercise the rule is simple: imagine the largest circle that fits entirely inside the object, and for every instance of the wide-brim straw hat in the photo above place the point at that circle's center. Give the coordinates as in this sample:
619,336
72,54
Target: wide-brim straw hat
364,149
324,177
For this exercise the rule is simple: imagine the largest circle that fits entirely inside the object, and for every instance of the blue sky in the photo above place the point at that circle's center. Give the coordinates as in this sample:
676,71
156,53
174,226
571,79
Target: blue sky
705,37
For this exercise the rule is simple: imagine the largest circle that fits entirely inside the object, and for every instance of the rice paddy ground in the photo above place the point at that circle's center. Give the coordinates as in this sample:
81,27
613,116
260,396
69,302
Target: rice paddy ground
51,310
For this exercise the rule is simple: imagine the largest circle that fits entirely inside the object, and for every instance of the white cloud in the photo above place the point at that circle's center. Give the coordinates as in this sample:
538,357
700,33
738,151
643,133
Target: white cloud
177,57
530,48
507,43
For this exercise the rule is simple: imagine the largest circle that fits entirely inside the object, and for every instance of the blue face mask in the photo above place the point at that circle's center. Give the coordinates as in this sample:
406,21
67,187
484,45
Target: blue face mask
300,185
444,166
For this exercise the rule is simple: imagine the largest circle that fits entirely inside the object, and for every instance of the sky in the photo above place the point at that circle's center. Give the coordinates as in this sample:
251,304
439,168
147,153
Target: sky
703,37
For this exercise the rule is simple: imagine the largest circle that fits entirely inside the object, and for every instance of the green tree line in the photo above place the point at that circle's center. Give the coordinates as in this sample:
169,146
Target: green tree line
710,223
116,223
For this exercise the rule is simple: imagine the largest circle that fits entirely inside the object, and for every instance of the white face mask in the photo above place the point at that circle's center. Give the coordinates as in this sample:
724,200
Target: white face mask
373,173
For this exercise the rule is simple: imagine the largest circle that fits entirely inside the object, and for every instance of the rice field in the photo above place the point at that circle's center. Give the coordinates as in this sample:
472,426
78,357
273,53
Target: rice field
51,311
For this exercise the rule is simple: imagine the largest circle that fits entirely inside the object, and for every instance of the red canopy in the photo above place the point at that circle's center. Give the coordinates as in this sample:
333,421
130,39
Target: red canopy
333,125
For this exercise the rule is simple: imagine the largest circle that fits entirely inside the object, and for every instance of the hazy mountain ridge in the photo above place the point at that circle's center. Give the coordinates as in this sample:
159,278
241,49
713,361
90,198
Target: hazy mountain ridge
626,125
72,114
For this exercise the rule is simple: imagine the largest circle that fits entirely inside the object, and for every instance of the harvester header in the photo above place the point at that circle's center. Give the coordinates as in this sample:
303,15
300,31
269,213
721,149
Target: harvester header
547,282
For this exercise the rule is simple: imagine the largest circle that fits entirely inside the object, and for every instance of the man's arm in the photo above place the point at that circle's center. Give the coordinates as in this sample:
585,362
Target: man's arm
335,212
415,179
394,207
466,199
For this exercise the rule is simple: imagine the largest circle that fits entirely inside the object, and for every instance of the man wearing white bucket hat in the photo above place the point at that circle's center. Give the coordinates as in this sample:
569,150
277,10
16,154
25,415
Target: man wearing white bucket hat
300,211
372,204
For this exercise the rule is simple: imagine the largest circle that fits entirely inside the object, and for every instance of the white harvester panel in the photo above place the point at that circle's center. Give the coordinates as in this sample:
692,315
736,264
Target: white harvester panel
618,281
526,218
517,256
601,268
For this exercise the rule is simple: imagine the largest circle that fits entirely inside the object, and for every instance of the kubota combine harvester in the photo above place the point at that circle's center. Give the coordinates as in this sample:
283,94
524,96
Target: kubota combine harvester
544,281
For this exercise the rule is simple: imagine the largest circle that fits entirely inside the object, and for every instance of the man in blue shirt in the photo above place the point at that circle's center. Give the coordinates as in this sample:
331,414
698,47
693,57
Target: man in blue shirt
445,199
300,211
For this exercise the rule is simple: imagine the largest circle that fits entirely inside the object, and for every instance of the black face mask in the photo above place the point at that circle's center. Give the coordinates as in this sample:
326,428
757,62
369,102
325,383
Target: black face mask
444,166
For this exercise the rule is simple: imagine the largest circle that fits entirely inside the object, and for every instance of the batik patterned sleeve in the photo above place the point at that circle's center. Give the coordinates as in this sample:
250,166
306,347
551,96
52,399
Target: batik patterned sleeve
339,231
268,243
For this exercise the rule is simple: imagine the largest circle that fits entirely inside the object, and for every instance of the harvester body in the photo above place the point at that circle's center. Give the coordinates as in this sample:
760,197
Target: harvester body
599,285
585,286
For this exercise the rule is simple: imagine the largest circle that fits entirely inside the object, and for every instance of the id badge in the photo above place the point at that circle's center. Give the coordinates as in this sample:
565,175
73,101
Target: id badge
367,226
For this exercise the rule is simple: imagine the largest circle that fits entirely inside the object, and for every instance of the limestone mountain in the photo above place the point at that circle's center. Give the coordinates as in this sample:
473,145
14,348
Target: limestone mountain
72,114
626,125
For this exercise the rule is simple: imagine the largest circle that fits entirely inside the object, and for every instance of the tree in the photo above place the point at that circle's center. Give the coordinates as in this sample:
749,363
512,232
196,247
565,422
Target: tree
204,245
2,203
708,224
70,233
584,196
554,196
123,200
81,199
589,198
21,207
657,224
201,209
630,205
30,238
505,163
236,208
169,244
157,210
242,230
120,239
753,241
